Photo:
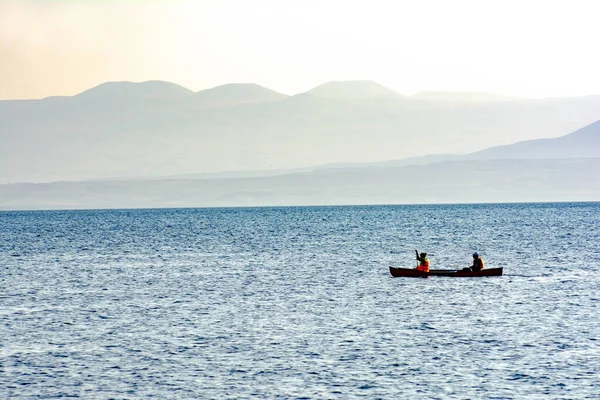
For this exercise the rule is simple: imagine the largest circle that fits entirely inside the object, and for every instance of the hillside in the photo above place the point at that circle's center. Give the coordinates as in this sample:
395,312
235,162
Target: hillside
584,142
353,90
132,90
235,94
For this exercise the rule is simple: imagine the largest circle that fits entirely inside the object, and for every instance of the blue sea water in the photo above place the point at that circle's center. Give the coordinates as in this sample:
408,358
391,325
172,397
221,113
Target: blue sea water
298,303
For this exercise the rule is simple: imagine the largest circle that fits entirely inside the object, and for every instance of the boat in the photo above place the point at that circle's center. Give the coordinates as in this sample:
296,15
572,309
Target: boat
396,272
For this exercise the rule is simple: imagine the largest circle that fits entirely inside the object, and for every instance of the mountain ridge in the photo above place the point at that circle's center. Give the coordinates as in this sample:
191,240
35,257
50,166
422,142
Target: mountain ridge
147,89
360,89
582,143
235,94
349,85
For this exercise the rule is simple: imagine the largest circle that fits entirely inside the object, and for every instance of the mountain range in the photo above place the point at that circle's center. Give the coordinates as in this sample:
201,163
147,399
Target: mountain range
560,169
125,130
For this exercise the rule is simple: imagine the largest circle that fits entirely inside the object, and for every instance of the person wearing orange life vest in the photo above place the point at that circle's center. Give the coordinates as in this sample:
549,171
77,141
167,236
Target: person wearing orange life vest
423,262
477,263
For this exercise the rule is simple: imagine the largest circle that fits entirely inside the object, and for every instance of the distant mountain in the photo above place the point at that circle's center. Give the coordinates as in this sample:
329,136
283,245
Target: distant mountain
584,142
489,181
461,96
131,90
150,129
353,90
236,94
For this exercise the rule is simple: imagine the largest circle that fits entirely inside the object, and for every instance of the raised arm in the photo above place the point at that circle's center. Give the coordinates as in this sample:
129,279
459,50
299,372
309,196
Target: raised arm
417,254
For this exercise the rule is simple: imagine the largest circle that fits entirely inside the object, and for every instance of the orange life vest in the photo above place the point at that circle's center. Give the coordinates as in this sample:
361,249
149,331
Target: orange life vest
424,265
475,267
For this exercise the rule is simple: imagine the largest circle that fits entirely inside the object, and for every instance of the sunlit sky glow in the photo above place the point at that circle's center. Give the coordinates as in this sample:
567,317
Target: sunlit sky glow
521,48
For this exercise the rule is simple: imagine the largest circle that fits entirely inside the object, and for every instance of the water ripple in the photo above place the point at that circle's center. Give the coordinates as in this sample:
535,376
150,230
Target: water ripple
298,303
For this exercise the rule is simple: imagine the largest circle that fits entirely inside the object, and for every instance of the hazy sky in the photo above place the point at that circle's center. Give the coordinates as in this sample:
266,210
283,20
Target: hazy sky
523,47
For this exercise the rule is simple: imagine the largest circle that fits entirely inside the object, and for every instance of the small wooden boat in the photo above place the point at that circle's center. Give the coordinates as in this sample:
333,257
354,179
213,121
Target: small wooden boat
396,272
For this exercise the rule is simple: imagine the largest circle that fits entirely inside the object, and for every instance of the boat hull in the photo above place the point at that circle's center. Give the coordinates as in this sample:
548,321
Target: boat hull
397,272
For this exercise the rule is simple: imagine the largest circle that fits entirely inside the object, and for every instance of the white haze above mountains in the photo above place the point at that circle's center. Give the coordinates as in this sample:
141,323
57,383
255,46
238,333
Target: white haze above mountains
125,130
157,144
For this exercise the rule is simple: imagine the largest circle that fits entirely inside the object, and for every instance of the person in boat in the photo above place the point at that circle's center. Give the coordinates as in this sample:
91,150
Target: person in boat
423,261
477,263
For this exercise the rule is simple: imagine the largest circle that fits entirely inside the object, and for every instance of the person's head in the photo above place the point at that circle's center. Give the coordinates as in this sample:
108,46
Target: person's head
476,255
423,255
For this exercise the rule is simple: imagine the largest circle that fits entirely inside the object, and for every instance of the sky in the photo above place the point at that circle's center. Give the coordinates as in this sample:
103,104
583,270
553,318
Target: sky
524,48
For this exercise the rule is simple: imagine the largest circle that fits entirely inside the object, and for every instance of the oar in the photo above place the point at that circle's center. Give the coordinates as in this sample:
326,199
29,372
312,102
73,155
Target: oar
417,252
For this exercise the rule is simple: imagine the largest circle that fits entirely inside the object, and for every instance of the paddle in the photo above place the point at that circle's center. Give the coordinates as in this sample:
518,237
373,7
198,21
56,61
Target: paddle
417,253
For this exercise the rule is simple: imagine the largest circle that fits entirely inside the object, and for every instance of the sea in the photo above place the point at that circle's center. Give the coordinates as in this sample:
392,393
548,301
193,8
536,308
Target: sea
299,303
